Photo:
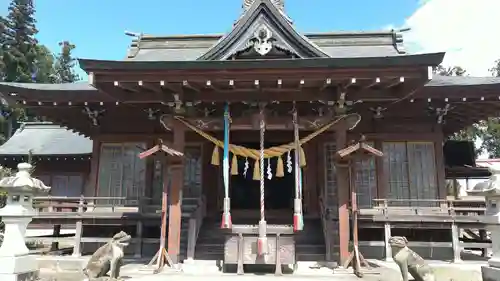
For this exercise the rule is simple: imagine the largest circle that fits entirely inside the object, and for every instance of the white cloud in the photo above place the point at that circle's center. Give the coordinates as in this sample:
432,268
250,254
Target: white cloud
467,30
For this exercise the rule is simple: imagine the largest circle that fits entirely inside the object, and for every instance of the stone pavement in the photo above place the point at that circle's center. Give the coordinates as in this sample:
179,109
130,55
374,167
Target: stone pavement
386,271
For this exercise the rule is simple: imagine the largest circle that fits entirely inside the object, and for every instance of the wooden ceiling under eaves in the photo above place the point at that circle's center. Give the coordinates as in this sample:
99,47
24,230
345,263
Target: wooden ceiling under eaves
366,73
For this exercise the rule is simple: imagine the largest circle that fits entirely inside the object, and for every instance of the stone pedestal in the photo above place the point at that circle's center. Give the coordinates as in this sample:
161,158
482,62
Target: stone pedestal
15,262
492,271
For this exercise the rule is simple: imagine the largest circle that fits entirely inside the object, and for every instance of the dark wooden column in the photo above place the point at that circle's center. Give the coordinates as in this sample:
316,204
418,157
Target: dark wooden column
343,195
440,165
311,177
175,213
91,186
382,176
210,179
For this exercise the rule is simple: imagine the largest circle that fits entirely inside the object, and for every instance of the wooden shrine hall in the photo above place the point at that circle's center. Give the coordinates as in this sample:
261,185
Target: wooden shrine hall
260,114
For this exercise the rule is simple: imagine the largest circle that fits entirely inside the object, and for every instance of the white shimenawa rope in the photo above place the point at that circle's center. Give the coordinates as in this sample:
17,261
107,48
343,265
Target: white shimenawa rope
262,167
262,240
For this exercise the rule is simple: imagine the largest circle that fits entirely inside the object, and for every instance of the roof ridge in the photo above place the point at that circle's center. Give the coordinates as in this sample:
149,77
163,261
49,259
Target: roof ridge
251,17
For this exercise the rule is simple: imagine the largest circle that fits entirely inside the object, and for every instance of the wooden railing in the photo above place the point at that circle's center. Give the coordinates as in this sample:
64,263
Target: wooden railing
76,209
418,207
459,213
63,204
195,223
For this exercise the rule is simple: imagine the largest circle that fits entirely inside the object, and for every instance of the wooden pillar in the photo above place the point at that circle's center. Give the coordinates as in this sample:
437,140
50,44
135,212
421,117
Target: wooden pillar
311,178
77,251
455,241
387,236
343,196
138,237
210,181
177,181
440,169
382,175
91,188
484,236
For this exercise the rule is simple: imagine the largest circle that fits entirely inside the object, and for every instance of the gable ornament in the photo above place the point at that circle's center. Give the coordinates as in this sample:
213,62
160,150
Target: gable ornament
262,40
280,4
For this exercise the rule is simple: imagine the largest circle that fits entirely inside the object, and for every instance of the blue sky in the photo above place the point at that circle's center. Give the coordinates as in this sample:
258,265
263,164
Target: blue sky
97,27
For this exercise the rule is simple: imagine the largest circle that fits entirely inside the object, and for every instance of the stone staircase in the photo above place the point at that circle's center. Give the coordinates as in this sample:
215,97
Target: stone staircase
310,244
189,205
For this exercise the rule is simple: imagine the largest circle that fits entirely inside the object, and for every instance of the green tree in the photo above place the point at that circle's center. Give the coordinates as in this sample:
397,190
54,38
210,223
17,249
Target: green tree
470,133
64,67
3,46
44,65
450,71
490,128
20,44
22,59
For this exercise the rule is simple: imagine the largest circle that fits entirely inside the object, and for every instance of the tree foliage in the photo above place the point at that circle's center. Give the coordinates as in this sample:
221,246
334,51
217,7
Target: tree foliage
64,66
486,131
22,59
20,45
490,128
450,71
471,132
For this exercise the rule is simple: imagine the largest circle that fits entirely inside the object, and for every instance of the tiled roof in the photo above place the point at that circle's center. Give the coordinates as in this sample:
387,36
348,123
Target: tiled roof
449,81
45,138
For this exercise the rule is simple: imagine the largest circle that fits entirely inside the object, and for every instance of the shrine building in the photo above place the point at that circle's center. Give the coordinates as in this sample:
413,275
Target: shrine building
271,123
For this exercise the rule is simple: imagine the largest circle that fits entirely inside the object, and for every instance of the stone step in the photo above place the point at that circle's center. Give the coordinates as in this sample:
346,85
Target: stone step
62,263
310,257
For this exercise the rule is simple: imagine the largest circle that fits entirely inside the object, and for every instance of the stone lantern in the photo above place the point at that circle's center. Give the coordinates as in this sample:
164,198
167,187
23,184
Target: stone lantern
490,189
15,261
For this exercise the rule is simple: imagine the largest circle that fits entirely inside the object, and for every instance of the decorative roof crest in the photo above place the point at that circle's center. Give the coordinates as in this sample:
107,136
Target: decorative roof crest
280,4
262,40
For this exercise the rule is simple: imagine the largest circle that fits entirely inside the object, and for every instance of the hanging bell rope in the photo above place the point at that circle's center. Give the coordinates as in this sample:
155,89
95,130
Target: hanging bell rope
297,202
226,215
262,239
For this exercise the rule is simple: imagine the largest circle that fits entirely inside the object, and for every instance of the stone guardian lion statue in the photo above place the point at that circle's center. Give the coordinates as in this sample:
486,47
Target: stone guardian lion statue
408,261
107,258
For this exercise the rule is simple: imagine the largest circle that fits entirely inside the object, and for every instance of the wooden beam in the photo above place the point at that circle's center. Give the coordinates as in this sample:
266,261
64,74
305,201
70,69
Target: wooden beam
164,85
375,83
328,83
91,78
262,74
210,85
175,214
350,83
397,82
188,85
148,87
123,87
343,197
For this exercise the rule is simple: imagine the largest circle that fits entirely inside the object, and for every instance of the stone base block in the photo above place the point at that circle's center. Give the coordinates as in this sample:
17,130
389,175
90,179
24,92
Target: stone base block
23,268
26,276
17,265
490,273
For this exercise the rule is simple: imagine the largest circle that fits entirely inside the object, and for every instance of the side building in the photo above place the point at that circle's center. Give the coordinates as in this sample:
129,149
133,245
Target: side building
61,159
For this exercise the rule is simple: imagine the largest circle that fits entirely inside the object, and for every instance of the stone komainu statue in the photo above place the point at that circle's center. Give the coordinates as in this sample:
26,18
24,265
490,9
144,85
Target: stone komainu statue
107,258
409,261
